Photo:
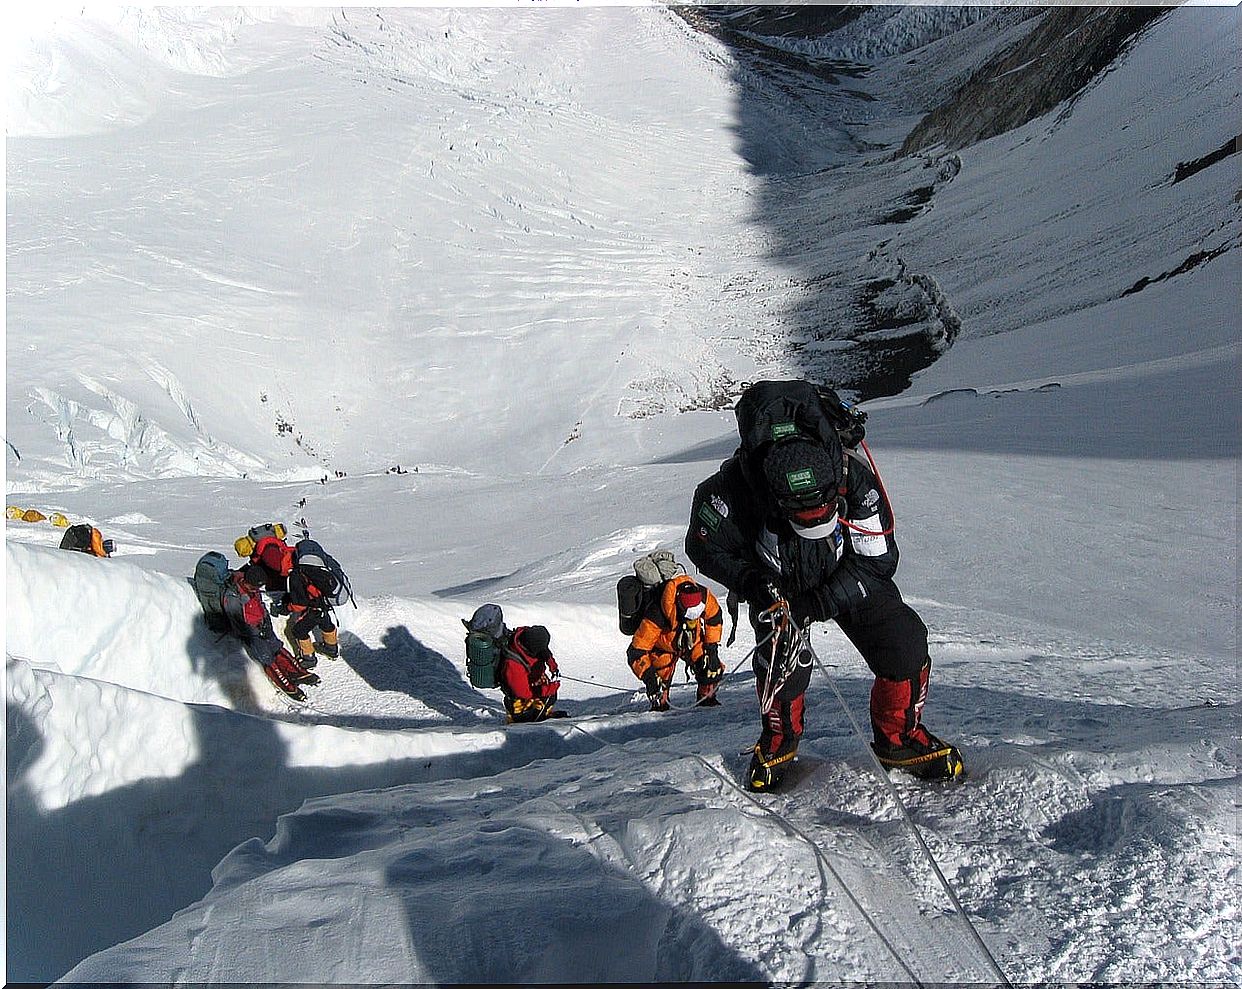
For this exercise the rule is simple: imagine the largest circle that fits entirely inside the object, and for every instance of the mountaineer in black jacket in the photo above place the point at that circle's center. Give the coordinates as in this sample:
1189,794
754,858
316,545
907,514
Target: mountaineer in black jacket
794,516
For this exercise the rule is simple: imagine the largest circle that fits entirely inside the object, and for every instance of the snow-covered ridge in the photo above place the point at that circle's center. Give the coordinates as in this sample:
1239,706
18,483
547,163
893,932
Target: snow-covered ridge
93,69
340,329
627,804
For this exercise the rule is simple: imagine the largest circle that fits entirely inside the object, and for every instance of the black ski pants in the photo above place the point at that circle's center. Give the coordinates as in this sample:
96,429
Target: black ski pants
303,625
782,720
888,634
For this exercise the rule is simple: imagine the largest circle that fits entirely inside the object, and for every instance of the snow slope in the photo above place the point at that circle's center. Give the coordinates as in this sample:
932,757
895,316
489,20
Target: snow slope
521,255
457,241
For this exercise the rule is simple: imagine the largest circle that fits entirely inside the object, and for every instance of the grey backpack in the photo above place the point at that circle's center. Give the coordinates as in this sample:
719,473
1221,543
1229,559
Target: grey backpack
324,572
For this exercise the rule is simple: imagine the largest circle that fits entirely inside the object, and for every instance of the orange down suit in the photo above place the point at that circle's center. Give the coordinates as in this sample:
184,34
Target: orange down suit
665,637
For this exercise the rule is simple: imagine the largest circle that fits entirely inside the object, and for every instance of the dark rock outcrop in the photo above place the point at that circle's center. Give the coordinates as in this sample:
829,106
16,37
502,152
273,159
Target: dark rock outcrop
1068,47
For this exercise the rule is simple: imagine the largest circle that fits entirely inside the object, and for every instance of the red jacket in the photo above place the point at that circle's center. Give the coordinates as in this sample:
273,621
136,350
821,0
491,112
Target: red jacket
248,618
528,674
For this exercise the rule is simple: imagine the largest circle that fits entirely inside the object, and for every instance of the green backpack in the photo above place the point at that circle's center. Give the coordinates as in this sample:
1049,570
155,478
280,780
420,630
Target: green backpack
483,654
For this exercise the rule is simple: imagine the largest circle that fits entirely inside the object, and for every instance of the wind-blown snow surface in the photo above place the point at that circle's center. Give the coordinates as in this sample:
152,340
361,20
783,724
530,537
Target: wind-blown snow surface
247,251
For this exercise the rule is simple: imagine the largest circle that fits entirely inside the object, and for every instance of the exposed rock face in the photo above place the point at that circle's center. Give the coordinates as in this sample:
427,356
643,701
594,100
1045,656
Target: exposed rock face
773,20
1061,55
1065,49
868,328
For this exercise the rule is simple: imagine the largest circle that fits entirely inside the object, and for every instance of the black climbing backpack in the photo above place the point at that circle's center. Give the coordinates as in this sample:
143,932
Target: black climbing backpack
77,538
324,572
636,591
633,596
772,411
87,539
211,575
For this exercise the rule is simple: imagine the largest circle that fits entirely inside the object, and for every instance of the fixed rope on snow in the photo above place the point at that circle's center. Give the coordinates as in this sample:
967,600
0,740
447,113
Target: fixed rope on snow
799,646
821,857
914,829
631,690
595,683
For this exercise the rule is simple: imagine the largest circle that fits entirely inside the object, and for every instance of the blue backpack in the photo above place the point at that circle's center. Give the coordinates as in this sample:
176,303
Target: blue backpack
324,572
211,575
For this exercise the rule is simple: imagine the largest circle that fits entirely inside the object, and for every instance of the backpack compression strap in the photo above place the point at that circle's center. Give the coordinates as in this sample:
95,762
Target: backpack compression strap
514,650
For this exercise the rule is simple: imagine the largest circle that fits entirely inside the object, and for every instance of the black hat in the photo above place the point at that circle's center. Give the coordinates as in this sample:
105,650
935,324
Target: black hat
536,639
254,575
800,472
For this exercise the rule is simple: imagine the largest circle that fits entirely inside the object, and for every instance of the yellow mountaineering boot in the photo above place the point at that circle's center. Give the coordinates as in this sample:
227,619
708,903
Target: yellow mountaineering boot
306,653
768,772
330,646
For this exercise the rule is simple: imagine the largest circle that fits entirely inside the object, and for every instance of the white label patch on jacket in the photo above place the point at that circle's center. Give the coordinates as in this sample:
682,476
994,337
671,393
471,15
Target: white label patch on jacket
865,545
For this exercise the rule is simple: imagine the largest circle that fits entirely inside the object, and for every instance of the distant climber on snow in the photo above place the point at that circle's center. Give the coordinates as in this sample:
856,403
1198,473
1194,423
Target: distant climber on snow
798,524
680,623
85,538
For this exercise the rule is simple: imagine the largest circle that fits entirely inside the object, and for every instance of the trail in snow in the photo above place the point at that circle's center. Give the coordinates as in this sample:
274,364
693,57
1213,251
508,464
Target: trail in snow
680,762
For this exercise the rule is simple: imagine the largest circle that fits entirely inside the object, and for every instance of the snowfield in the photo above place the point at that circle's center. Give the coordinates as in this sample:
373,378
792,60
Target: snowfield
469,294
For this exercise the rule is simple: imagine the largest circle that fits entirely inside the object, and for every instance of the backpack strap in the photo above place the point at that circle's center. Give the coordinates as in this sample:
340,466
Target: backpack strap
513,650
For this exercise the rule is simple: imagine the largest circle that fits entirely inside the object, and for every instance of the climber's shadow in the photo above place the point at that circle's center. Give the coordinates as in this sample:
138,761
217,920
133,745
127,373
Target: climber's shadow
405,665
